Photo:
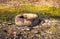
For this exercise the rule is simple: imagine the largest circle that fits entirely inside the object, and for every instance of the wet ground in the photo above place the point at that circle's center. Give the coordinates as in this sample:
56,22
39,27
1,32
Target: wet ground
48,30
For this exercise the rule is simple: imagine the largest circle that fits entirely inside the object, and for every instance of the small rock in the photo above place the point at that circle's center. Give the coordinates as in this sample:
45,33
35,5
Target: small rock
28,19
9,23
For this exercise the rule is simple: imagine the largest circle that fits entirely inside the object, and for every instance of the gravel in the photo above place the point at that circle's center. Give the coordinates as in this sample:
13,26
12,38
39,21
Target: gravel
49,30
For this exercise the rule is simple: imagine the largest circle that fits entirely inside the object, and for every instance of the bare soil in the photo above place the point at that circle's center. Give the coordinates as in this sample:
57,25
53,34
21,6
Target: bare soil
49,30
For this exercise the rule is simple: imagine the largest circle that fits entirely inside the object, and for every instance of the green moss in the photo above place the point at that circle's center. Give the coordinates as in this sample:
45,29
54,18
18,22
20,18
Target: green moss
7,12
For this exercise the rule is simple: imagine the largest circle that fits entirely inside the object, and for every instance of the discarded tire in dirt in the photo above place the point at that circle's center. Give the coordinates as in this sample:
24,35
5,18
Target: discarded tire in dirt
28,19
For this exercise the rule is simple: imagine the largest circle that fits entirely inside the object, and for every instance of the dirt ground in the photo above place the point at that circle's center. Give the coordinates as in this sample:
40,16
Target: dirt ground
48,30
